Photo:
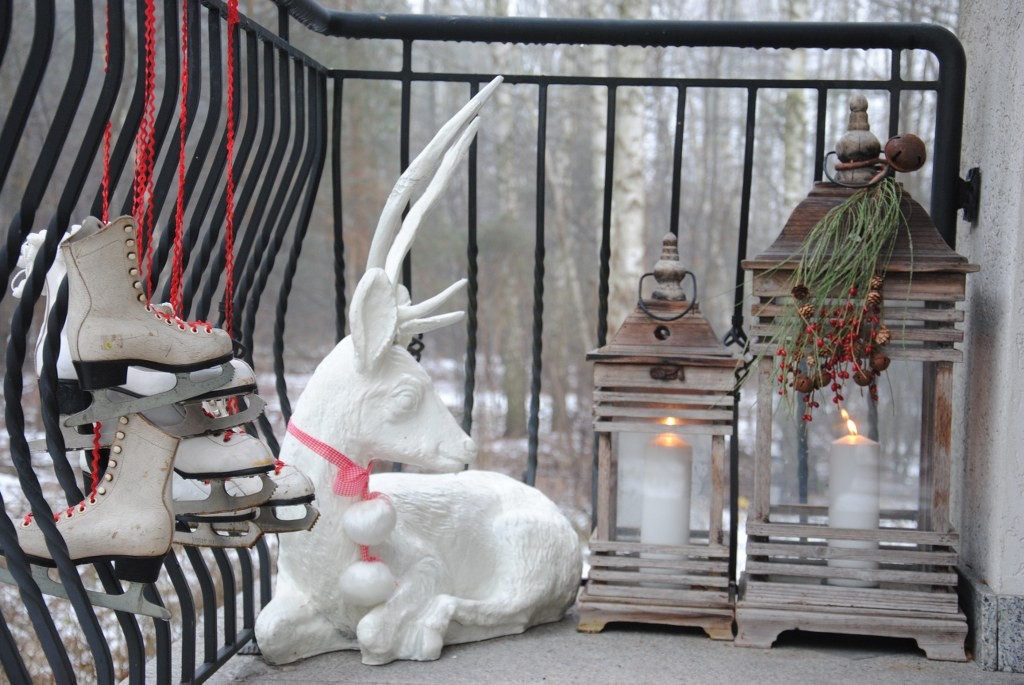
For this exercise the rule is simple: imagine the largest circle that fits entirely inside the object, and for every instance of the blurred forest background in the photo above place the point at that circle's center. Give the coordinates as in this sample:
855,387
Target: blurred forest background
713,127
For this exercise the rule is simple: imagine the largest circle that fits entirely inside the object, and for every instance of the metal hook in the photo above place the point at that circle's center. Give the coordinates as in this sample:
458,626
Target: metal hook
643,306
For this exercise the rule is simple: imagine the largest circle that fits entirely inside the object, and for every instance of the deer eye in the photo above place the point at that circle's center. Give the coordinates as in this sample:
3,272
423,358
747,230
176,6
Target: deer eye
407,398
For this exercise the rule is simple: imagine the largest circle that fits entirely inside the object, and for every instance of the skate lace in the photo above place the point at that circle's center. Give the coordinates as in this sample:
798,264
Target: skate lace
67,513
169,317
29,250
278,465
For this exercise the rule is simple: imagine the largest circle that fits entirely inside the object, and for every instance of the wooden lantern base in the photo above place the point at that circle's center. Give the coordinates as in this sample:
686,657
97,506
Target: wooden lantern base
907,584
940,636
690,590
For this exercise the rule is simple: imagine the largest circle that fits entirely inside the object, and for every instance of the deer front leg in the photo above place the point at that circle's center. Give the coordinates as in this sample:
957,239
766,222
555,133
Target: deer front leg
293,627
394,630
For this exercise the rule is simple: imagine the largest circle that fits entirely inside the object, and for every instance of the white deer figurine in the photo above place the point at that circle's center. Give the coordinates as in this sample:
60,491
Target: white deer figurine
451,558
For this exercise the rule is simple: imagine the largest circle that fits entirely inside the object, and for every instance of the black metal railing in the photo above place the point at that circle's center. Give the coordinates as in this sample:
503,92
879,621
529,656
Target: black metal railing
291,116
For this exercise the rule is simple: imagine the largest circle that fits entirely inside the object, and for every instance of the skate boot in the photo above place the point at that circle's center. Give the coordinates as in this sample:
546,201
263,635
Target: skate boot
129,518
110,326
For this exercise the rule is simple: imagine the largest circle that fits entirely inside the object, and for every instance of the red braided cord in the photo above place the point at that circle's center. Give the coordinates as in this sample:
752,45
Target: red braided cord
142,206
95,457
179,214
105,199
229,186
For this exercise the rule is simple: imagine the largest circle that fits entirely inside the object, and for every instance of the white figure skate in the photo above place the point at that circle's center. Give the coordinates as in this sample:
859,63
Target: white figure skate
128,519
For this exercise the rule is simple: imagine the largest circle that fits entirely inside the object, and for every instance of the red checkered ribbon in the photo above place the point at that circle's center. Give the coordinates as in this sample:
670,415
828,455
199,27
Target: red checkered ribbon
352,479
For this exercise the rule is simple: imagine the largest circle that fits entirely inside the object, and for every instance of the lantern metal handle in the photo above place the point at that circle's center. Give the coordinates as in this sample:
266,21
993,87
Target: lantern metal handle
676,317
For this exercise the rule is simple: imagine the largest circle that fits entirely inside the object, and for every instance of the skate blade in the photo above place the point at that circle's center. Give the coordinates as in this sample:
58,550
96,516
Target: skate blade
131,600
223,535
220,501
197,422
270,522
103,407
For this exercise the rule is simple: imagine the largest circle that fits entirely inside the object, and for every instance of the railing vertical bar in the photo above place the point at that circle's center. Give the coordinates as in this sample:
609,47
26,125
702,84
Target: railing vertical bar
123,146
533,424
41,176
265,578
166,114
604,266
212,112
895,83
209,594
819,134
312,170
403,144
10,656
677,159
6,22
198,259
25,97
282,209
337,204
245,566
261,165
229,609
164,646
265,212
187,608
736,333
949,121
213,245
472,274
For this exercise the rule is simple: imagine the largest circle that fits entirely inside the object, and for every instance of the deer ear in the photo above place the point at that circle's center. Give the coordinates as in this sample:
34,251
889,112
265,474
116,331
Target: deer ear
373,318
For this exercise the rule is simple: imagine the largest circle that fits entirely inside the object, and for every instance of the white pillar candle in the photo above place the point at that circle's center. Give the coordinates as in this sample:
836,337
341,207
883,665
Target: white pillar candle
853,498
668,465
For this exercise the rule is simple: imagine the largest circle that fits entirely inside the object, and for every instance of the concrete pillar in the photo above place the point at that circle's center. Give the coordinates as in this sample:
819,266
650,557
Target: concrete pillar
990,383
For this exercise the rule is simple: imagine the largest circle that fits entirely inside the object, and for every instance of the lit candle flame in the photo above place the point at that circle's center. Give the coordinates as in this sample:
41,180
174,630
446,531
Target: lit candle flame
850,425
670,421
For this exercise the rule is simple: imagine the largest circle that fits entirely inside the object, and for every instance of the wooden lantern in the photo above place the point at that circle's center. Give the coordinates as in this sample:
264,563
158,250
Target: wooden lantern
662,380
898,578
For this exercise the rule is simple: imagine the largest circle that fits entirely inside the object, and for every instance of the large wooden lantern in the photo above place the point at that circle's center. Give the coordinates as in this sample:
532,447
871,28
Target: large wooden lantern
846,565
663,406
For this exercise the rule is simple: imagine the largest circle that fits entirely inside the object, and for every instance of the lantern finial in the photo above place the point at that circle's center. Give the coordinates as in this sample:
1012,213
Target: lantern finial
857,144
669,272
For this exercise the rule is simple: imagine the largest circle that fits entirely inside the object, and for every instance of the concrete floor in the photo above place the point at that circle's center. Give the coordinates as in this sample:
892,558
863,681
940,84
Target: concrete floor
555,654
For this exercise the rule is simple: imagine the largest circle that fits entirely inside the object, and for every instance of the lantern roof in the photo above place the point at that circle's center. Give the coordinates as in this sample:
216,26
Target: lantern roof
919,248
666,327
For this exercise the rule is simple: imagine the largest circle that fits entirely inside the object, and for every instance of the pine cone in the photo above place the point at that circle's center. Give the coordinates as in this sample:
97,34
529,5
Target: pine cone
800,291
806,311
883,335
874,298
877,281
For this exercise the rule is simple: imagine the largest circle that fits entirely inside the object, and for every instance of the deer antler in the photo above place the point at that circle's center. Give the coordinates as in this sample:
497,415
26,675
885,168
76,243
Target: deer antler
432,159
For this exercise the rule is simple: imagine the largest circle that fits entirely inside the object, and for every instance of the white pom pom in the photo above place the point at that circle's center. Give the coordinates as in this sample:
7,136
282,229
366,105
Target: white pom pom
370,522
367,583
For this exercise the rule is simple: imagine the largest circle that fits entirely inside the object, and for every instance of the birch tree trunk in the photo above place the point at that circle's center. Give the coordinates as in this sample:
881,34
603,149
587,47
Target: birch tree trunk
629,201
